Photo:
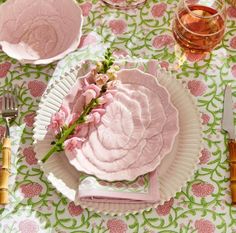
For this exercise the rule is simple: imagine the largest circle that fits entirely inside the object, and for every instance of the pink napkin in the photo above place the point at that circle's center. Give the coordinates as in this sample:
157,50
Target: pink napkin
143,189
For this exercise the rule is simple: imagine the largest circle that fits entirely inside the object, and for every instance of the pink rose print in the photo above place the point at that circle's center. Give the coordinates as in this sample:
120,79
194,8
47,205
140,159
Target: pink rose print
117,26
164,209
36,88
231,12
116,226
28,226
197,87
205,118
31,190
233,42
162,41
29,119
164,64
234,108
87,40
2,131
194,57
158,10
120,53
86,7
202,189
4,68
74,210
119,184
141,181
29,154
204,226
205,156
233,70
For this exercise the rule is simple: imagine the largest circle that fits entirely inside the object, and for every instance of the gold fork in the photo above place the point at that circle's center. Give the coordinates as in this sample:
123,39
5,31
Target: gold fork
9,113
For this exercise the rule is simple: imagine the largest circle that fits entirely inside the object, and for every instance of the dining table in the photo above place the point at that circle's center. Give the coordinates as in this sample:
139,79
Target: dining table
203,204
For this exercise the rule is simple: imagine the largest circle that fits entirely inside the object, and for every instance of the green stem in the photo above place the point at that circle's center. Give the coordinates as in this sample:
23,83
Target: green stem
93,103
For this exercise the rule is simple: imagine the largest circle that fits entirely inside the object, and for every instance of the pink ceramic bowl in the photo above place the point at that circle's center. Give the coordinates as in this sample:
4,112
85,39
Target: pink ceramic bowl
39,31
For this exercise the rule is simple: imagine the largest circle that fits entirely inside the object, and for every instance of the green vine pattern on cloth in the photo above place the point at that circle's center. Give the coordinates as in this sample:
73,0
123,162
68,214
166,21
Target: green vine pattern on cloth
203,206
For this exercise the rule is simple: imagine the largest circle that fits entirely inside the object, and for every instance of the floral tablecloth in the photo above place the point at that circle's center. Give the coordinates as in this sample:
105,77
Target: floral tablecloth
203,206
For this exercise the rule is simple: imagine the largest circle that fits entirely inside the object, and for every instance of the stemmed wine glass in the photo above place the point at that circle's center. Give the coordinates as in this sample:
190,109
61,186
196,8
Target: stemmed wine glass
199,25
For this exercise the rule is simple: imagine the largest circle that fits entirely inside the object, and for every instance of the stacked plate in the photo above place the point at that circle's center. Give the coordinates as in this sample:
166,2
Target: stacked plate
161,132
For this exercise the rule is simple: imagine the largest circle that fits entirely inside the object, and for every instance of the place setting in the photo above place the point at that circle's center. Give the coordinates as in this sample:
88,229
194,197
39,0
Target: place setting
114,134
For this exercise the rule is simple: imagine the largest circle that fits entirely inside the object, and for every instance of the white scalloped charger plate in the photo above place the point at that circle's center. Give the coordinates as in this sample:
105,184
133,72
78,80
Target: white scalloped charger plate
175,170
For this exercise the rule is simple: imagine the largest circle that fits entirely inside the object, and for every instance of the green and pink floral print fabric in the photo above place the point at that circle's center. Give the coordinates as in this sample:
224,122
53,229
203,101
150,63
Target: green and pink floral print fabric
203,205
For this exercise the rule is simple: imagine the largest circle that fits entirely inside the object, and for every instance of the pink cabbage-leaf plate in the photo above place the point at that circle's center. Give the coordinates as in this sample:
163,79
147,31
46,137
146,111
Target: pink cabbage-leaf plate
40,32
136,132
175,169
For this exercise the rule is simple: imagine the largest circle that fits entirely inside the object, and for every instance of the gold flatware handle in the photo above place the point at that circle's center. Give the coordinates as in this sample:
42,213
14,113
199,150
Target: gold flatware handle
5,171
232,157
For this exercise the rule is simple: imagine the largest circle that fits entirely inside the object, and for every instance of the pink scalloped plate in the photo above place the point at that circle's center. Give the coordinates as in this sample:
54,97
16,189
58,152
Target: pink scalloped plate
134,135
39,32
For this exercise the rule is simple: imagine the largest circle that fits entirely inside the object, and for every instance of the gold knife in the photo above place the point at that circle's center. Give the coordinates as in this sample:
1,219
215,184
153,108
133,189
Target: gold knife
228,125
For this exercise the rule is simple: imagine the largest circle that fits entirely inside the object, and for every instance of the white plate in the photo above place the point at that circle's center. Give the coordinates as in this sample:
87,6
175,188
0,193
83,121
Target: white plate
175,170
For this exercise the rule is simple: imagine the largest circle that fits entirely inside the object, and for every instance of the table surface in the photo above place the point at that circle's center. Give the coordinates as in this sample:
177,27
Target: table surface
203,206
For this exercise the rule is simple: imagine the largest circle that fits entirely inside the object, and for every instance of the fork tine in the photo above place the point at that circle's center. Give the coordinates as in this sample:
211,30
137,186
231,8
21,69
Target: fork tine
11,98
15,97
8,103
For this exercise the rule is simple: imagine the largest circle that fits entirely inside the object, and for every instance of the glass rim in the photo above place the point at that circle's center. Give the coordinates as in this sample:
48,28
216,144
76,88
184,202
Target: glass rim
206,17
192,32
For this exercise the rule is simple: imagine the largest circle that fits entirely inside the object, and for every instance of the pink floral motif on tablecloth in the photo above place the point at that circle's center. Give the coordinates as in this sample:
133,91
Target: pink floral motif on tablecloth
29,119
194,57
31,190
140,181
120,53
119,184
36,88
86,7
116,226
202,189
87,40
4,68
2,131
204,226
233,70
233,42
158,10
29,154
28,226
205,118
205,156
164,209
197,87
162,41
118,26
164,64
75,210
231,11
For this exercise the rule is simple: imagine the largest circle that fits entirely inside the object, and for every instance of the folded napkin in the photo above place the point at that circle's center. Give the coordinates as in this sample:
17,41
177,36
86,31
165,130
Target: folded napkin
145,188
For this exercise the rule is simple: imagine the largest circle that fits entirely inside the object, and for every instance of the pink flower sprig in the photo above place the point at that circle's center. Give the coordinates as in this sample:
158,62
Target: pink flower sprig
96,94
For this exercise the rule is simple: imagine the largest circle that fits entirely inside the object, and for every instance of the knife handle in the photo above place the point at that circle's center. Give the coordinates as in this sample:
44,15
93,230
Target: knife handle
232,157
5,171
